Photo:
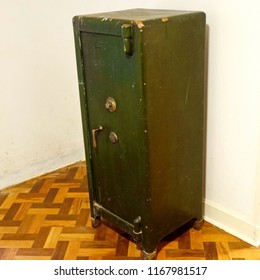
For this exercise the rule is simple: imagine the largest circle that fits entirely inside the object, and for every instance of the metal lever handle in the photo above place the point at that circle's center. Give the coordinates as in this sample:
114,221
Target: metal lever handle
94,134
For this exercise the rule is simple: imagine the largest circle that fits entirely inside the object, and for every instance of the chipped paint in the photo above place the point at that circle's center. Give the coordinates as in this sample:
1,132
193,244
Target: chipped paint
79,42
165,19
187,89
139,23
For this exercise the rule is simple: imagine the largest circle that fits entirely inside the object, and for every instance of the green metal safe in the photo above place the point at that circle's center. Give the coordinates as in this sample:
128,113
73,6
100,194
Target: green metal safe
141,82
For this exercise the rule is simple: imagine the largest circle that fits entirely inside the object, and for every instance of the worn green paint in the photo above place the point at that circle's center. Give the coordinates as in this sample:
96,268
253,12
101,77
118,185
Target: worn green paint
156,169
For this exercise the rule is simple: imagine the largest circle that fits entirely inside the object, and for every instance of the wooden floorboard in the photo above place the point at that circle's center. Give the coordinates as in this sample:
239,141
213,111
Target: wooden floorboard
48,218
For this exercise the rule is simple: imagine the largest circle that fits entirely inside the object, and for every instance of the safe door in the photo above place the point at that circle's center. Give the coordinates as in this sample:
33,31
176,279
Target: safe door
115,121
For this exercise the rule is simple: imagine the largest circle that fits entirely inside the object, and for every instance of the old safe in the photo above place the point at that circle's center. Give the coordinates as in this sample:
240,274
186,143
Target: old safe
141,83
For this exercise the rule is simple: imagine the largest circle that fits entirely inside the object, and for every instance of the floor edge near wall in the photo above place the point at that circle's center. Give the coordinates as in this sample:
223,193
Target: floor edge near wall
232,223
35,169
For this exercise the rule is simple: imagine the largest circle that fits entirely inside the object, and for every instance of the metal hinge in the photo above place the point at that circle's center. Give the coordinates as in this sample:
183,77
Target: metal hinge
126,30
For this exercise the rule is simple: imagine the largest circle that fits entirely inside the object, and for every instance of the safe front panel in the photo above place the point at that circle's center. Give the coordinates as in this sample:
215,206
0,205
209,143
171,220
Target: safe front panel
117,175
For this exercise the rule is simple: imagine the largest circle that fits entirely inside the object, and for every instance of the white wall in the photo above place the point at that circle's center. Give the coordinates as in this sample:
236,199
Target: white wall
40,125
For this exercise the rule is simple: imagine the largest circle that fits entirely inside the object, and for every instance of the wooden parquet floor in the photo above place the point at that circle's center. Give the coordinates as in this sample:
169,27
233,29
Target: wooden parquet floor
48,218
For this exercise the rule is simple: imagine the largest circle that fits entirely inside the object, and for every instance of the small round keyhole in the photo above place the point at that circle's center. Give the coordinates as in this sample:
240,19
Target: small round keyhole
113,137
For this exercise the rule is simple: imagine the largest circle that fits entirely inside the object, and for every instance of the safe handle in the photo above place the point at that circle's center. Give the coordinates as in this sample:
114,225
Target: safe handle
94,135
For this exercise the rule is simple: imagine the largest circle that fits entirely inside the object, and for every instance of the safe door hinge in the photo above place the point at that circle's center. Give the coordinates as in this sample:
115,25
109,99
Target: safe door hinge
126,31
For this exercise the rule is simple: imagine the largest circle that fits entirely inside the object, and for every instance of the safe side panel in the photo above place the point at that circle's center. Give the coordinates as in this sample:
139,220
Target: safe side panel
118,170
174,78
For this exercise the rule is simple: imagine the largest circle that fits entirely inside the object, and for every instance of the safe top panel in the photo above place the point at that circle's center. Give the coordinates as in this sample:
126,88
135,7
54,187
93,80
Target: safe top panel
111,22
139,14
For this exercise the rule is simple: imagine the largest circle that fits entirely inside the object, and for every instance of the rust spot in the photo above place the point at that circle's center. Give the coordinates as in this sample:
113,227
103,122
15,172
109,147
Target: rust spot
165,19
139,23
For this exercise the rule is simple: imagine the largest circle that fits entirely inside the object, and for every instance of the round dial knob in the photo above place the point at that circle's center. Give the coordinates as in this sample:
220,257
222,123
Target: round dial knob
110,104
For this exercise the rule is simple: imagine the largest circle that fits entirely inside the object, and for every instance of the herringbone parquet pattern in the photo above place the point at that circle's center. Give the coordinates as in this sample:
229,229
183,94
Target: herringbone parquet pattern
49,218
